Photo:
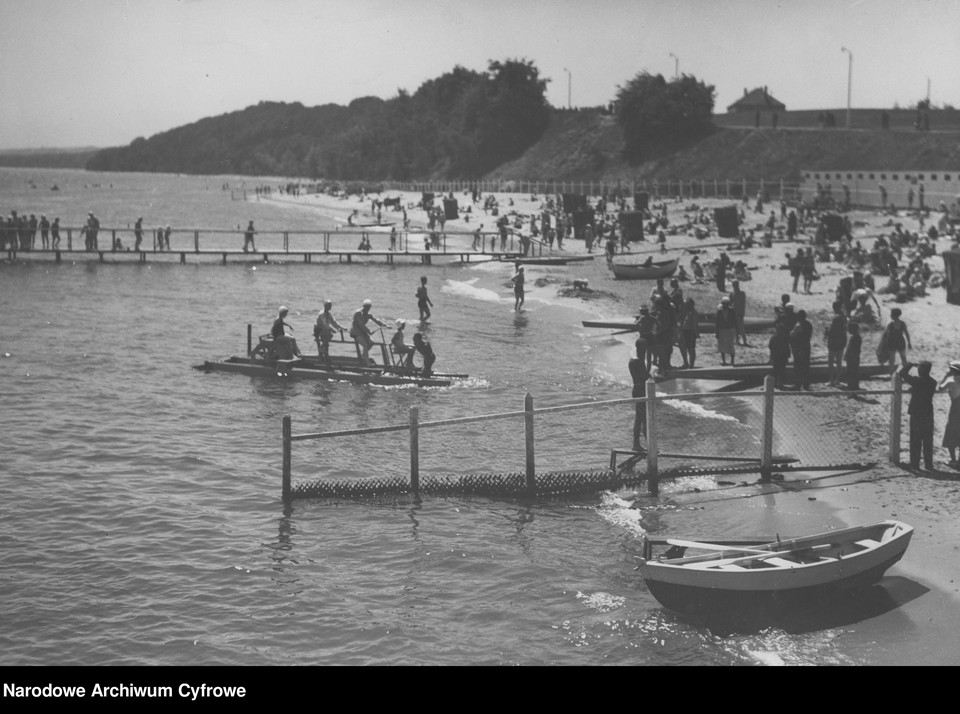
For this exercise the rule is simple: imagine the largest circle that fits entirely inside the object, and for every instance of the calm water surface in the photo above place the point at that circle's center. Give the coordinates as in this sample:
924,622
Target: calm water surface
140,518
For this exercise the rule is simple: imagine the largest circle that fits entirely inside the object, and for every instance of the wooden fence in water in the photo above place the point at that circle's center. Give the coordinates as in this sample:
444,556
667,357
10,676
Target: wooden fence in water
529,483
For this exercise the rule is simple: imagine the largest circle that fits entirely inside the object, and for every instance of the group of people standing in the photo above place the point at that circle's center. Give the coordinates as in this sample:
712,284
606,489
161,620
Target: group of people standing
284,345
19,232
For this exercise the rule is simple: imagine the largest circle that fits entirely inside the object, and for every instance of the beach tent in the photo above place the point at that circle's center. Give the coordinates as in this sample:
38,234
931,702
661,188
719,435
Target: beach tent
450,209
580,220
951,264
427,201
631,223
641,200
573,202
833,222
728,221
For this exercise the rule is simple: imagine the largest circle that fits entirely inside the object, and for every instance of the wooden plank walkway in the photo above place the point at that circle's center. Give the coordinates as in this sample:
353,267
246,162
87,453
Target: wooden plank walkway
264,256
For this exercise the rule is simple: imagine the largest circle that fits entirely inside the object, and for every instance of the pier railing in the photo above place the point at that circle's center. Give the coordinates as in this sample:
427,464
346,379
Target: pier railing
350,241
674,444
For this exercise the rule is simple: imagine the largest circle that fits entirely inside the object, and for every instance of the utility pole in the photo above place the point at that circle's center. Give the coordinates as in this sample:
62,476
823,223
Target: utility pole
569,83
849,81
676,66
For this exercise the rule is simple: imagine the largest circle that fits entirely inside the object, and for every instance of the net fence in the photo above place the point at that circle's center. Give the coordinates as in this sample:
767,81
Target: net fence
575,449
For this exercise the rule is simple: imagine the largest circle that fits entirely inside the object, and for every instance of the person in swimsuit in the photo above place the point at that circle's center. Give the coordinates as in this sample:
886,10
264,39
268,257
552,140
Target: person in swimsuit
517,280
422,345
896,337
403,351
361,333
323,330
423,300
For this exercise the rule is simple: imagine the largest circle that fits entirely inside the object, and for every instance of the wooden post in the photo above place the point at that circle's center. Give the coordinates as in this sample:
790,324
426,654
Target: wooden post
766,444
528,437
70,239
415,449
896,384
286,458
653,477
249,339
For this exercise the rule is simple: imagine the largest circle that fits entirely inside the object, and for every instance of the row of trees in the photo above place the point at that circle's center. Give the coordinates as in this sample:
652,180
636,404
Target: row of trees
462,124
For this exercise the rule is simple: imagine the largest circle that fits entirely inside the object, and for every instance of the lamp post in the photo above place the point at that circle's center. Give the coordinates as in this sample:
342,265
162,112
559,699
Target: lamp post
569,83
676,66
849,80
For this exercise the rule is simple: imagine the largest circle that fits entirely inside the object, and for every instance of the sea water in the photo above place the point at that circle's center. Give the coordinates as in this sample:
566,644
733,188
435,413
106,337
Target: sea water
140,512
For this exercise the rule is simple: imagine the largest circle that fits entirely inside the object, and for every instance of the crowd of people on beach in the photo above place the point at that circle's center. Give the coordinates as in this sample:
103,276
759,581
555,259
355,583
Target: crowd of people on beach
900,257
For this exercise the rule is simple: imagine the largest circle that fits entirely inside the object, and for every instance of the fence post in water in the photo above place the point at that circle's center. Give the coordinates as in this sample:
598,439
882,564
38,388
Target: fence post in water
653,477
528,437
196,241
766,445
249,339
286,458
415,449
895,417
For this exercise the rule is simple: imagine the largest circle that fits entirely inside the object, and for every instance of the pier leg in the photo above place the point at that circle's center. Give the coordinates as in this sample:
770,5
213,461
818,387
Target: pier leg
58,256
528,437
286,458
896,384
415,450
766,447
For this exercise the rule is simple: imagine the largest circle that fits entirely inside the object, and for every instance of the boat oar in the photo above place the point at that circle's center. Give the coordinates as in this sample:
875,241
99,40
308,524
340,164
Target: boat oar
714,546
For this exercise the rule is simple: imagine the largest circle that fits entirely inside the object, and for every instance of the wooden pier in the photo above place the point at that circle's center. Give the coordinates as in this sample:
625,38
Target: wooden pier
224,256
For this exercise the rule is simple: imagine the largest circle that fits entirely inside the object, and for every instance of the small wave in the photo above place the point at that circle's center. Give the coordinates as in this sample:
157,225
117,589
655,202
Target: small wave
619,512
697,410
467,289
602,602
775,648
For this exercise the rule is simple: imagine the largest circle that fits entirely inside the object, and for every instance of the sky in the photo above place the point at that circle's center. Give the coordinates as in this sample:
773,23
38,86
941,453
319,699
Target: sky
78,73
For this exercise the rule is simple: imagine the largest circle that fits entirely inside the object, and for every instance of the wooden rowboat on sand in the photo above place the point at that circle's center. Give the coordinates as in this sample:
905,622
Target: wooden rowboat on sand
743,583
649,270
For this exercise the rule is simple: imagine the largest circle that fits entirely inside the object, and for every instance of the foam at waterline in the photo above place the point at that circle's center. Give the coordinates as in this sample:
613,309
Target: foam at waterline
468,289
618,511
697,410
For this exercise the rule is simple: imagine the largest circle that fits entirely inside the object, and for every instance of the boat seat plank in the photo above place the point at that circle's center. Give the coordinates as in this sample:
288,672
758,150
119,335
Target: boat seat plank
867,543
781,562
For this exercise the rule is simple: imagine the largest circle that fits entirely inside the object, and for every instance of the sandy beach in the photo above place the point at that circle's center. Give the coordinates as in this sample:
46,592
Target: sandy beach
926,583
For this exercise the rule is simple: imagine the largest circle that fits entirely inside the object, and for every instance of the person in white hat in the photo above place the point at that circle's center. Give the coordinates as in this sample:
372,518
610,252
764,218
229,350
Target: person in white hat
951,432
361,333
282,345
403,351
323,330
